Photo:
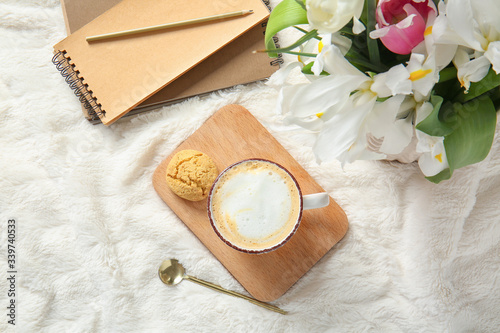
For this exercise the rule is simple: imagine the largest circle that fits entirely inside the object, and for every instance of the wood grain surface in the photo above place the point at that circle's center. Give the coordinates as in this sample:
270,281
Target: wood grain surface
230,135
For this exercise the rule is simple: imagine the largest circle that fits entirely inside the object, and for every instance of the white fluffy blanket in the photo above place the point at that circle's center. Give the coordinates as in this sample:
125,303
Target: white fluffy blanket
91,230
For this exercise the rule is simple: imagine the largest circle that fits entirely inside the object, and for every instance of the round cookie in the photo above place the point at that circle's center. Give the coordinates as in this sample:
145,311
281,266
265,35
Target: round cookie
190,174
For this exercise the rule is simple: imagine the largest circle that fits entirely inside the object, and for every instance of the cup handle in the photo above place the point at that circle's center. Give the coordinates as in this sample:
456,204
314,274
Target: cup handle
316,200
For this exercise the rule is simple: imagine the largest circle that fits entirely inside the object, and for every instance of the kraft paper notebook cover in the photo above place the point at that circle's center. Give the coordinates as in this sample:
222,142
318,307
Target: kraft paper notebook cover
233,64
113,76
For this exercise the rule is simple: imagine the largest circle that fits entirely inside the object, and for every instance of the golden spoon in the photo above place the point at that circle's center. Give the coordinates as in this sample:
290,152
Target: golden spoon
171,272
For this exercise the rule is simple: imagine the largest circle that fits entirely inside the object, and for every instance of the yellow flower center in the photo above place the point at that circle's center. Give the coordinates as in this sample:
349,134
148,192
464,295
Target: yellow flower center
319,115
439,157
419,74
428,31
320,46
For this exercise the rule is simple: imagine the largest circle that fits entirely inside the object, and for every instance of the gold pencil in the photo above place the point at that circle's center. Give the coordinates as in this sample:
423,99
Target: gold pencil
168,25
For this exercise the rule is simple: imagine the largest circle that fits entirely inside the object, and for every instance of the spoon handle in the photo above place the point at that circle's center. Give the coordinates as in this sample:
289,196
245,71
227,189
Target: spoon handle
233,293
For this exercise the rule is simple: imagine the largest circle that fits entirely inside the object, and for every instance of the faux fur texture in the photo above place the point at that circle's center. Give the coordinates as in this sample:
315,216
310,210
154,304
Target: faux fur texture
91,230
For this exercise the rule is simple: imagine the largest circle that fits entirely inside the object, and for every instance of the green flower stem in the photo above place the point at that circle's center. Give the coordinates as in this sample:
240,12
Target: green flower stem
302,54
372,44
355,57
347,31
366,64
305,31
309,35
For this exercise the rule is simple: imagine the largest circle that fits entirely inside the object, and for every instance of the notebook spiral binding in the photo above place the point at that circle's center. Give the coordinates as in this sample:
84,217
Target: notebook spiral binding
61,61
279,60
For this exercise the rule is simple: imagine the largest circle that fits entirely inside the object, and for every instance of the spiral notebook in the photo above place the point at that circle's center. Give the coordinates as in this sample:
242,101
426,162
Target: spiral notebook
114,77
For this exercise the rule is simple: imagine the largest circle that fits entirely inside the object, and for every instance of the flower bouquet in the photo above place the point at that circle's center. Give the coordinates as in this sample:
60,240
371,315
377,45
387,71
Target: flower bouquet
393,76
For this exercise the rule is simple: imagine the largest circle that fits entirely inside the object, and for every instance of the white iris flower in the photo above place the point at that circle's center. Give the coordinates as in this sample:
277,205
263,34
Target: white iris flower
474,25
347,108
433,155
343,108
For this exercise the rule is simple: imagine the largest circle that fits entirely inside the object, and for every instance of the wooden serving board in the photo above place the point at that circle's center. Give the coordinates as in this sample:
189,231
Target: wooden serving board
230,135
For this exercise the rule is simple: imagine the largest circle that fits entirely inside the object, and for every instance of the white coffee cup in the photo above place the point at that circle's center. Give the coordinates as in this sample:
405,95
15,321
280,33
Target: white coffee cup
255,205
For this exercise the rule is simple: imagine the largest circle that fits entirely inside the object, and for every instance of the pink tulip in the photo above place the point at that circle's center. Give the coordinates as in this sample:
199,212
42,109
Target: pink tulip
401,24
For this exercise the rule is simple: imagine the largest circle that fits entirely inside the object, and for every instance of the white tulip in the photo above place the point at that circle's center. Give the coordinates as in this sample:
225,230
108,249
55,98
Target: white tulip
329,16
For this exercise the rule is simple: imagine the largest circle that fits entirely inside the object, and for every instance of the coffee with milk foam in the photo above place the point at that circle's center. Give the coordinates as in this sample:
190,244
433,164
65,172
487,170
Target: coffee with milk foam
255,205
